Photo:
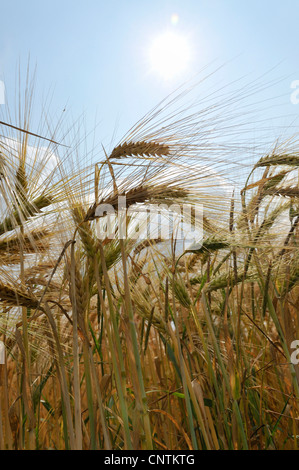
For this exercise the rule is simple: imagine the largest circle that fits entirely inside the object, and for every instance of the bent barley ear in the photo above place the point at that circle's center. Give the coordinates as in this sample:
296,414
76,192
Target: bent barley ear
140,195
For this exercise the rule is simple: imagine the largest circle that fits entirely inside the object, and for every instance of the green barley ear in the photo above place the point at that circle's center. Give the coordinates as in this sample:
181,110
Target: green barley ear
290,191
294,209
276,159
274,181
142,301
208,246
84,229
228,280
181,293
24,212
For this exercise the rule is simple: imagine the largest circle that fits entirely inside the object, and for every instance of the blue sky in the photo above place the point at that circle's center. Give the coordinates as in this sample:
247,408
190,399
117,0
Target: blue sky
94,55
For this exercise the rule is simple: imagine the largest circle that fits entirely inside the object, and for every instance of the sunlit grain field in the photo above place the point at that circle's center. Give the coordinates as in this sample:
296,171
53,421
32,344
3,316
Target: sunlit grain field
123,343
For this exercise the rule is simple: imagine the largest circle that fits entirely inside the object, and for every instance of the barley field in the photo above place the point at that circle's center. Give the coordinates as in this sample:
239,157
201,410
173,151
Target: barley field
148,343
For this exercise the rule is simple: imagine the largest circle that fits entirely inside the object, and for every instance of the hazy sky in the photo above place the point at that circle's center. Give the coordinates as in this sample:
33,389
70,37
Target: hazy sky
95,55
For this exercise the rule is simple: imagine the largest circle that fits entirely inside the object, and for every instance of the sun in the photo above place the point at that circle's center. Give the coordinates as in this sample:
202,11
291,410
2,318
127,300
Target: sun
170,54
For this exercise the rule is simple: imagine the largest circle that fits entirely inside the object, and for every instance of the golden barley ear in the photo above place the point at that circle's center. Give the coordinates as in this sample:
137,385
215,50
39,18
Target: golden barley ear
142,148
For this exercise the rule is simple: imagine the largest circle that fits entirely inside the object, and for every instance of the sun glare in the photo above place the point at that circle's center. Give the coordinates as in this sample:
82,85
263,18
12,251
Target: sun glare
170,54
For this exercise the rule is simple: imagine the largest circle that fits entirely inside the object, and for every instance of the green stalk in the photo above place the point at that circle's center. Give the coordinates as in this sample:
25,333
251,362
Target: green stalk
77,395
113,318
182,368
279,330
89,396
62,379
284,345
220,361
212,374
118,377
100,402
129,309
